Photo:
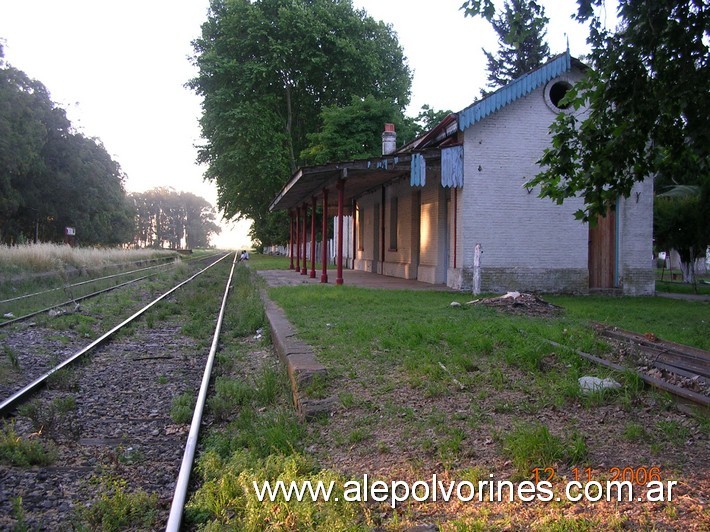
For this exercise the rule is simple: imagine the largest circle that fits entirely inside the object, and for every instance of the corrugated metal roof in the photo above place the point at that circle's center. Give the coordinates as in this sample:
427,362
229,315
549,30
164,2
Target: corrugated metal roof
515,89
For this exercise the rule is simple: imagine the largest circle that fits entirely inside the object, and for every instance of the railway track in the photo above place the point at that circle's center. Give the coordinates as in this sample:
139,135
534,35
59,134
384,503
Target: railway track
107,421
680,370
70,290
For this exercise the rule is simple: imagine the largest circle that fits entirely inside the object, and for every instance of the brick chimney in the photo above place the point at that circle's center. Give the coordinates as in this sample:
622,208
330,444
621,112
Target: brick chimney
389,140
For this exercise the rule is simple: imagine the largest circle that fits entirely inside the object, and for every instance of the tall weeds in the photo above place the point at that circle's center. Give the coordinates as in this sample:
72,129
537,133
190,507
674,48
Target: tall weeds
55,257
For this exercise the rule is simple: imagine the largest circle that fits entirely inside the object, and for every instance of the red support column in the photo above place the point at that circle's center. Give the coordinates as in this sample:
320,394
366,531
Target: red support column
290,238
324,230
339,262
304,264
312,275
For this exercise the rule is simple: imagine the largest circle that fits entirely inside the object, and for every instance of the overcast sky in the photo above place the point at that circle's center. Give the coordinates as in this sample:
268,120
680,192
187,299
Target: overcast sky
119,69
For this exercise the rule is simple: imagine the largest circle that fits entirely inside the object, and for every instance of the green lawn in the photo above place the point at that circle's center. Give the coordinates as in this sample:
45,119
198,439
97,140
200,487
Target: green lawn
664,283
268,262
466,392
682,288
472,391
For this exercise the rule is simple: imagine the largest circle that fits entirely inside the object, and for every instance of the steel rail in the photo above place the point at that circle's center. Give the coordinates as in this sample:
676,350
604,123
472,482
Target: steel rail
81,298
10,402
26,296
181,486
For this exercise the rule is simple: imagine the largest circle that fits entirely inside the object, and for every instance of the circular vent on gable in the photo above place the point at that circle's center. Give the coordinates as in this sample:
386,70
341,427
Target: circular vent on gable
556,92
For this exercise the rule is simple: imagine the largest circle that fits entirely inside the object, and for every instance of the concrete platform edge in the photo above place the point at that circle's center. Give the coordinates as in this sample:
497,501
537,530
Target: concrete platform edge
299,360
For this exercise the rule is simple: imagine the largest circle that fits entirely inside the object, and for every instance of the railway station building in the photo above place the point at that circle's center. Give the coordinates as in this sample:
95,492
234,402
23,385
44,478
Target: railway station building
452,206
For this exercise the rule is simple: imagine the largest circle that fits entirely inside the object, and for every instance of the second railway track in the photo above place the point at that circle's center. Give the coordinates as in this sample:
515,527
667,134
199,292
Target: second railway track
108,423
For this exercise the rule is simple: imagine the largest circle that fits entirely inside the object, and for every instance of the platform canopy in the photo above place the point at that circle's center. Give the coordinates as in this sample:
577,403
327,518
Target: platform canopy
363,175
358,177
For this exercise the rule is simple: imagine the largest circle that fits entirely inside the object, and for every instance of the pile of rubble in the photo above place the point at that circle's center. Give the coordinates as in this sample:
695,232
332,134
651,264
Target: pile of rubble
520,303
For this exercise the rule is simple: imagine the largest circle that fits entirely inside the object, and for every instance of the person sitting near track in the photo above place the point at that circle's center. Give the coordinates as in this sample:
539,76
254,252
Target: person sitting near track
244,256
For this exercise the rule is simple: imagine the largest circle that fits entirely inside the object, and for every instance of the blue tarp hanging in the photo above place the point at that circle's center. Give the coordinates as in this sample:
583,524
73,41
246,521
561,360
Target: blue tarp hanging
418,175
452,167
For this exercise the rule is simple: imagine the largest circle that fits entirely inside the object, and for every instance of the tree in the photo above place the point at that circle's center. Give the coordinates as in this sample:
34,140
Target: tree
165,217
266,69
355,131
521,36
200,223
52,177
680,222
428,118
647,94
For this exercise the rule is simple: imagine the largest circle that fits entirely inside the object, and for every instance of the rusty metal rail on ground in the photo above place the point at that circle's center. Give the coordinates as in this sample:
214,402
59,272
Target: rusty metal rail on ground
683,360
680,359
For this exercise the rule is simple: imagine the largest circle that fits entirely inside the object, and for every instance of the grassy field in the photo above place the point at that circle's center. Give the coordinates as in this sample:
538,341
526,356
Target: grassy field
467,392
676,287
37,276
667,282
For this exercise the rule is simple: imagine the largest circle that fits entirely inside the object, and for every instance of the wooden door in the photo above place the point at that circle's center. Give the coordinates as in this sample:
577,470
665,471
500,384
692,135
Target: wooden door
602,252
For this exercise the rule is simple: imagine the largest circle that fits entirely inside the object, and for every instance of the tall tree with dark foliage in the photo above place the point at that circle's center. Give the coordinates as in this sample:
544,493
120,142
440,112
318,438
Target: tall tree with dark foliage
521,30
266,70
52,177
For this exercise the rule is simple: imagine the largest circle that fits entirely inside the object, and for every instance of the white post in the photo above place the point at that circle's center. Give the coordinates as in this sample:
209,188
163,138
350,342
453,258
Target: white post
477,269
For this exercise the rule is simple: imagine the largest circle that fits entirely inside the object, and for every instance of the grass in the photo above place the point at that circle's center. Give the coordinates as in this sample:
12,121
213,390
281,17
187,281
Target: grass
18,451
458,387
56,257
268,262
12,357
665,282
50,417
119,509
464,390
352,324
675,287
182,408
257,438
44,275
684,322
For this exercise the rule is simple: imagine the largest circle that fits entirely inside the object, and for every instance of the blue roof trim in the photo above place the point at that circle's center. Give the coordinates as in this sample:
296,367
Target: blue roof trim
514,90
417,175
452,167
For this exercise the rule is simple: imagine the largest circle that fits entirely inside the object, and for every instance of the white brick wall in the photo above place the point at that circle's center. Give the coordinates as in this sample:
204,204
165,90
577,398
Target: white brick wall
516,228
635,240
520,234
